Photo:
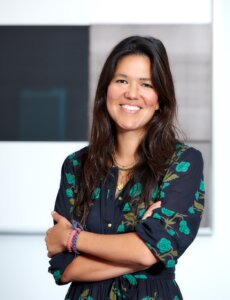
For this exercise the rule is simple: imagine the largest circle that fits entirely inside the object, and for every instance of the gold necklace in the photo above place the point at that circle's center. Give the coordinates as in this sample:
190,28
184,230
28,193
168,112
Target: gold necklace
123,167
122,181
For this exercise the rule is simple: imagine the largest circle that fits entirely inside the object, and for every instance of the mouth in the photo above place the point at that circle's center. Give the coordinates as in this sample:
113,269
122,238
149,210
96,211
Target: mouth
130,108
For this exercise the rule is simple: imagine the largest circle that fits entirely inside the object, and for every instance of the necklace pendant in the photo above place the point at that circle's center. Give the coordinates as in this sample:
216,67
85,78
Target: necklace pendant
120,186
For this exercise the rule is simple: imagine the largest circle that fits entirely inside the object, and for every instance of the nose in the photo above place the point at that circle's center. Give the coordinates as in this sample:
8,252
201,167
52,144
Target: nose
132,92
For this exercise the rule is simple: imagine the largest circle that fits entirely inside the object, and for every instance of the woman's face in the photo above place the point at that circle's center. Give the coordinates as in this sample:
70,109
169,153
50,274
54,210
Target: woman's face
131,98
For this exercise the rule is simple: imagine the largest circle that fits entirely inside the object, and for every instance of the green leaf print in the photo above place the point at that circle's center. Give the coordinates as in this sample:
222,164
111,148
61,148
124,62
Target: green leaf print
72,201
170,176
85,295
130,217
198,206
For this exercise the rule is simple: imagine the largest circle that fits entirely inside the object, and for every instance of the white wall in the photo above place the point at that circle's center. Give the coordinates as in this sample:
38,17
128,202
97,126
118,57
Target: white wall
202,272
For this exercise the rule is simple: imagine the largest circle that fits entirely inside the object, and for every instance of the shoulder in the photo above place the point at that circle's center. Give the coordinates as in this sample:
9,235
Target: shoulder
185,157
74,159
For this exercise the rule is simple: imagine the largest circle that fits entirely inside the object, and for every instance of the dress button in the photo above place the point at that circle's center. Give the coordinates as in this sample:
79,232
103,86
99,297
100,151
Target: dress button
120,198
109,225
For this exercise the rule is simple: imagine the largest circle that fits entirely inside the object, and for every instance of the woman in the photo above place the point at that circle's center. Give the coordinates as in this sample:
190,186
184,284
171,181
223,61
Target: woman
137,191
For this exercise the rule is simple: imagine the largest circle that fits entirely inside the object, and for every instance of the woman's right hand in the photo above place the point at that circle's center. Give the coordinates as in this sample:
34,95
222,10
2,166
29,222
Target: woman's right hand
150,210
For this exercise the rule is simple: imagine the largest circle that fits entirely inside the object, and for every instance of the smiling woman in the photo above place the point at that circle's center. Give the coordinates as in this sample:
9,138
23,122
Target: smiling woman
131,202
131,98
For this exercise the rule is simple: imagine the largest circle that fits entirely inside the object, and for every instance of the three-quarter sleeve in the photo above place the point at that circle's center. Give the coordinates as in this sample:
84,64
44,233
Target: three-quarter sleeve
173,227
64,205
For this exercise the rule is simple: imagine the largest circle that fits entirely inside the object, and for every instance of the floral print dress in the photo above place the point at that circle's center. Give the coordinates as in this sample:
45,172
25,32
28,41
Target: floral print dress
167,233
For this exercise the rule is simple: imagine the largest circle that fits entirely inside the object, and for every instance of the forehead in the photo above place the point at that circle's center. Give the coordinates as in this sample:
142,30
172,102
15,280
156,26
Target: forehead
135,62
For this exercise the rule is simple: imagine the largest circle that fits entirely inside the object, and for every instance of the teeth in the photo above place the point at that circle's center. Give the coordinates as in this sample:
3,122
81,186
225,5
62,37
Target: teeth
130,107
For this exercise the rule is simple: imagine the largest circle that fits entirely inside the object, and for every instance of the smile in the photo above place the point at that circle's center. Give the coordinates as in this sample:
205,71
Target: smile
130,108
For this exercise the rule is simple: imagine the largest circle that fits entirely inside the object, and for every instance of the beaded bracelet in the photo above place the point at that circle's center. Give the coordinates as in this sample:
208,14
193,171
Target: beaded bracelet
72,240
69,241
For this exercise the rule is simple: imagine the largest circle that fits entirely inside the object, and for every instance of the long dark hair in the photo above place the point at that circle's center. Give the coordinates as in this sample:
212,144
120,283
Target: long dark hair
158,143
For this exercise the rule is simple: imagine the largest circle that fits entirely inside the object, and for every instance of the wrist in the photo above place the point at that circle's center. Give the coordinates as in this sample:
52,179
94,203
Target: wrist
71,244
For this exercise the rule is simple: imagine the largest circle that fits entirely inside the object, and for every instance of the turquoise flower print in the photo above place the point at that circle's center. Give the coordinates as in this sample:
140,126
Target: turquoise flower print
70,178
96,193
165,185
155,192
121,228
75,162
141,276
179,153
71,156
156,216
69,193
170,263
135,190
126,207
57,275
149,246
176,298
191,210
184,227
131,279
171,232
141,212
182,166
167,212
202,188
197,195
178,146
162,195
164,245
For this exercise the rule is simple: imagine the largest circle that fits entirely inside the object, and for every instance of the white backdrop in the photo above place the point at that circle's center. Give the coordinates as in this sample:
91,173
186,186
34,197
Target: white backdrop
202,272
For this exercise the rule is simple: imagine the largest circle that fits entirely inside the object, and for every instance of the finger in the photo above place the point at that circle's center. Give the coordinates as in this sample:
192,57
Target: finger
56,216
156,205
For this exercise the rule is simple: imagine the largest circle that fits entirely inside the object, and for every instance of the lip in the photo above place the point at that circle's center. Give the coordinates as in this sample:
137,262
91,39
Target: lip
130,108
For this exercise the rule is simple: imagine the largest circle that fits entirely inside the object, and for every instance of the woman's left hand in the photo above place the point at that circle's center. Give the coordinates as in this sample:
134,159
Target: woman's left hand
150,210
57,236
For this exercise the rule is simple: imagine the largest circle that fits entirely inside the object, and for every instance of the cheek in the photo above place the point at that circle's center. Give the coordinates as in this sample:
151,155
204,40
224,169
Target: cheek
152,101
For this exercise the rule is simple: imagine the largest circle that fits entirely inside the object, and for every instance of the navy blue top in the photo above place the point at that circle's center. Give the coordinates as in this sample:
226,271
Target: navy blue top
167,233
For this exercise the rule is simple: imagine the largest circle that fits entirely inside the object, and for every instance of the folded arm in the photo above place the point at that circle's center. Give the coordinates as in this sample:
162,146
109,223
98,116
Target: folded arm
89,268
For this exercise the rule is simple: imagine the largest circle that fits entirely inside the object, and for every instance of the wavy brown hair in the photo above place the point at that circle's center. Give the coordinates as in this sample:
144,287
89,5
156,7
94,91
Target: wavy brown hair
158,143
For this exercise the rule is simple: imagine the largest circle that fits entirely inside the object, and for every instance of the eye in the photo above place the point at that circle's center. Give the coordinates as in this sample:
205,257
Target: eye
147,85
121,81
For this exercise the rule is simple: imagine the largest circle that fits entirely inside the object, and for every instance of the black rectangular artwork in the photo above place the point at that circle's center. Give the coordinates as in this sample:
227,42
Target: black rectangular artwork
44,83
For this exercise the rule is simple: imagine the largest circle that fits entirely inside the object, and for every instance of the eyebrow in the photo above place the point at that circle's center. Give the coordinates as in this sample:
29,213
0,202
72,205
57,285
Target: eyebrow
125,76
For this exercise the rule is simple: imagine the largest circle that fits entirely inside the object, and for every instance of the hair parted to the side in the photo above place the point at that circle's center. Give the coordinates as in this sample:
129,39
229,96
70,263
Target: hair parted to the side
159,140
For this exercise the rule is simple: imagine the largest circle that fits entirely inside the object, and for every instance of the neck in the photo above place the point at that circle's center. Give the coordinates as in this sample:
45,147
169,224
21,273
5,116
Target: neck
126,147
